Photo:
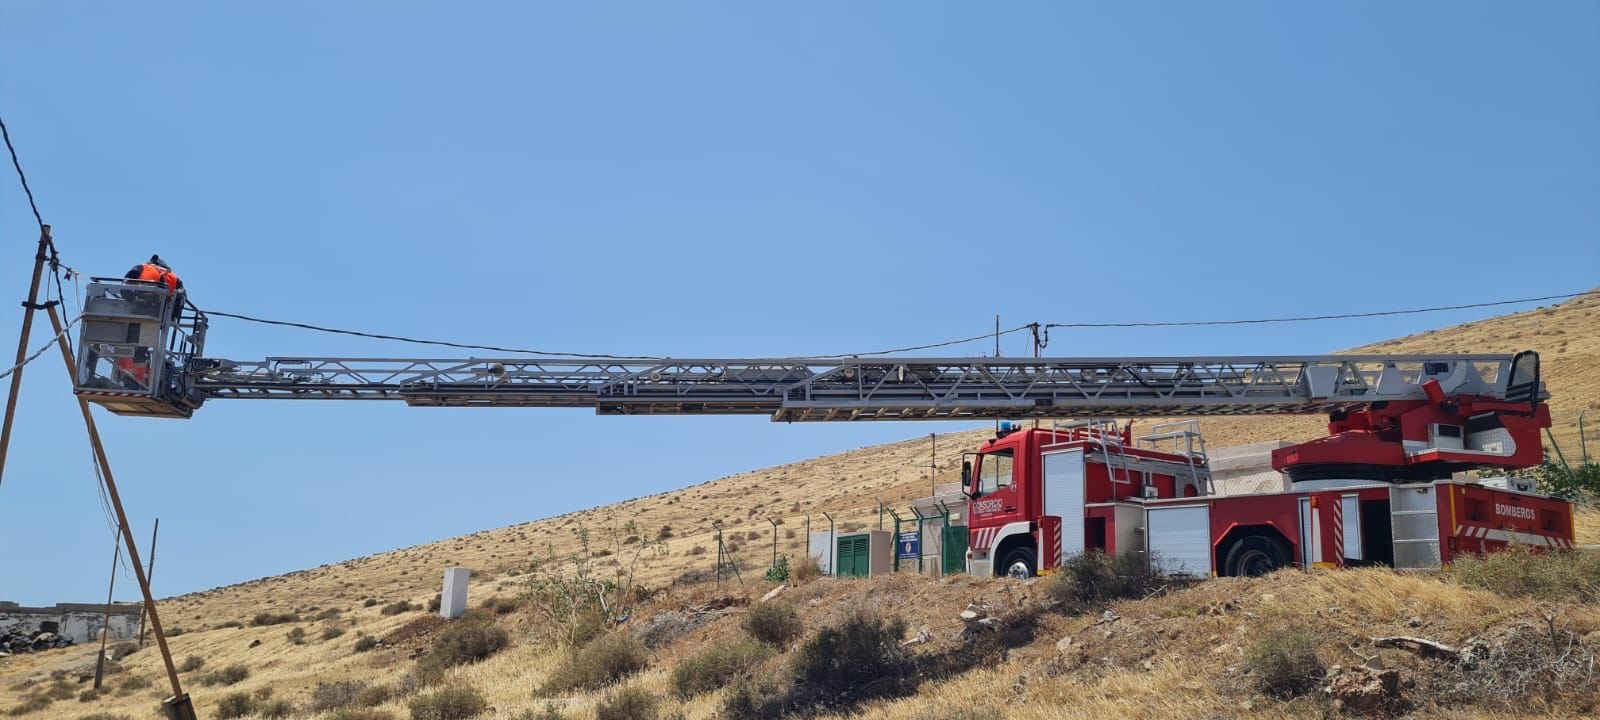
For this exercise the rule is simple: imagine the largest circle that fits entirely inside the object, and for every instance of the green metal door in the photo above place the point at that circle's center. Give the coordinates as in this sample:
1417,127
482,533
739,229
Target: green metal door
854,556
954,548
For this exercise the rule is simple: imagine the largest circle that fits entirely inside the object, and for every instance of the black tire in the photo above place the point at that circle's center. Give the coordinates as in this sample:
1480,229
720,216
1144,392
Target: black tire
1255,555
1019,564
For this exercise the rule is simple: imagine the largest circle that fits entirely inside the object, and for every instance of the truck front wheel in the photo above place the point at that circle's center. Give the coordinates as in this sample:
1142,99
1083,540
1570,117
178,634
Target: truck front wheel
1019,564
1254,555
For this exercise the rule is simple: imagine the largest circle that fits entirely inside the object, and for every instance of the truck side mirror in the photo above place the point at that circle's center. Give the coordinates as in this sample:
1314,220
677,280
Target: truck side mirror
966,478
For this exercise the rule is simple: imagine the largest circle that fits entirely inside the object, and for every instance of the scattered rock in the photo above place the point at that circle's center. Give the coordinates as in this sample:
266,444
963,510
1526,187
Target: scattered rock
774,593
255,643
1359,690
1064,644
923,636
970,615
12,642
1414,622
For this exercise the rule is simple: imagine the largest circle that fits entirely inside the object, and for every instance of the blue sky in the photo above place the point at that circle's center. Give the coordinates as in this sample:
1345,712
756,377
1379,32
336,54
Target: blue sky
733,179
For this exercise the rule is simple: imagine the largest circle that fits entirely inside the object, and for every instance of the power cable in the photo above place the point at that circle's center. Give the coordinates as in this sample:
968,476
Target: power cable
1310,318
64,330
21,175
549,353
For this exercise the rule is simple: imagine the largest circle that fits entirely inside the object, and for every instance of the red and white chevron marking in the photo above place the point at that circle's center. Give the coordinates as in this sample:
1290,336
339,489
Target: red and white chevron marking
1485,533
982,538
1338,531
1055,545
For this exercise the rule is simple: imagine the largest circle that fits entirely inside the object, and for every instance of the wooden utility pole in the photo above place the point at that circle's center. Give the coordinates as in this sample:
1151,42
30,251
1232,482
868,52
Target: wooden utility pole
150,571
29,306
178,707
105,627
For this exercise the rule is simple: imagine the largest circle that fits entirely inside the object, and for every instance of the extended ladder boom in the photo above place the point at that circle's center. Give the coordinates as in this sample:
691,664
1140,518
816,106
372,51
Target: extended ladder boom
141,352
882,389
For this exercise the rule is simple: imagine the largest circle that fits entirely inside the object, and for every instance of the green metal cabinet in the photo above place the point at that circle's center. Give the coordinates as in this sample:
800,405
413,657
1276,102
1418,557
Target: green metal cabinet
954,547
855,556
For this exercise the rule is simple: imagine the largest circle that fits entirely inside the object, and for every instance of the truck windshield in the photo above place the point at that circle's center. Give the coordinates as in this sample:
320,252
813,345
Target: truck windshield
994,471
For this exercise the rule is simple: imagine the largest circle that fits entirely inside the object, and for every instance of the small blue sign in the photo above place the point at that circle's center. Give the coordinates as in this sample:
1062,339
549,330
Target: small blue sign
910,545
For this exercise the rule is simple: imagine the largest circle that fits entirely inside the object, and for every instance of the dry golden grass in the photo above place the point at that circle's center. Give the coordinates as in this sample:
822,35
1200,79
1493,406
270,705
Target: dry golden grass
848,485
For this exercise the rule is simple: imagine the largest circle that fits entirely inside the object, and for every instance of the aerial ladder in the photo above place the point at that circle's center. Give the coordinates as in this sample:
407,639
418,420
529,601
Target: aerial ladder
141,352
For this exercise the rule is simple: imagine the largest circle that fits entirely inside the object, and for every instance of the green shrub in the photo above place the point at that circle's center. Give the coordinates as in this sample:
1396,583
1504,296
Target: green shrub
1091,580
627,704
366,643
397,607
857,659
236,705
779,572
226,676
599,664
716,666
457,702
776,624
1285,664
464,642
267,618
1518,571
192,663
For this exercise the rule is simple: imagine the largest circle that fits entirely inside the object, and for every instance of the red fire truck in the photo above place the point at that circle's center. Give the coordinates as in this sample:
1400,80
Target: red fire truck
1377,490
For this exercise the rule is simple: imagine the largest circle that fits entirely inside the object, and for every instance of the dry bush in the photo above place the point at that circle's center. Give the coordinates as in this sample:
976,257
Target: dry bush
267,618
332,633
192,663
297,636
804,570
361,714
858,659
226,676
549,712
502,605
1523,664
776,624
396,608
348,693
366,643
123,649
1091,580
1285,664
105,716
627,704
717,665
463,642
457,702
599,664
88,695
236,705
275,709
757,699
1518,571
938,712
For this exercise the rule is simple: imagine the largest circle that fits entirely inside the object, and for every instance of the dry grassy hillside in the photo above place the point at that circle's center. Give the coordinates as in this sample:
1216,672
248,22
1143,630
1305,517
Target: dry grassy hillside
848,484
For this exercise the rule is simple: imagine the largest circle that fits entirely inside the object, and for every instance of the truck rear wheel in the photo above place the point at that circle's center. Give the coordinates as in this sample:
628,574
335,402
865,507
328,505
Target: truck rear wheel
1019,564
1254,555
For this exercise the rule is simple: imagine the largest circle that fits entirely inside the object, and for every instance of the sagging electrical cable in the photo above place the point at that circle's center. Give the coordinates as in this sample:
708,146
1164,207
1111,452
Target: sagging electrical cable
1312,318
587,356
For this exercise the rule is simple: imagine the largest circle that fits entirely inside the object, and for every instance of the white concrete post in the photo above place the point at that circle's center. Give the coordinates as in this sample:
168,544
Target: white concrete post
453,599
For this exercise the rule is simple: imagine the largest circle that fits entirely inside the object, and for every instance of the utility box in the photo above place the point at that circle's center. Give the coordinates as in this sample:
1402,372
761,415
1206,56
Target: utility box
864,554
821,547
453,598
